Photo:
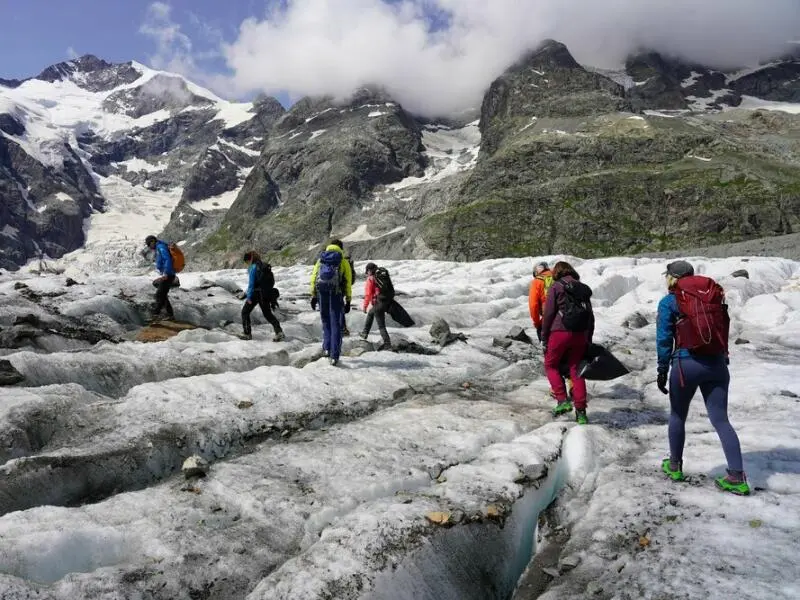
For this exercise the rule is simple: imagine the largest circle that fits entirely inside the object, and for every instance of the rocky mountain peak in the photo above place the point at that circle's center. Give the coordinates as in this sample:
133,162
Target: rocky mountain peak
91,73
87,63
267,105
10,83
550,54
546,82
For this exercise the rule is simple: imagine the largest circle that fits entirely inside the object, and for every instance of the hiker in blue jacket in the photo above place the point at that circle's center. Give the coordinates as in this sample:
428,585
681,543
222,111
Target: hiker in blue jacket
331,288
260,286
163,284
703,368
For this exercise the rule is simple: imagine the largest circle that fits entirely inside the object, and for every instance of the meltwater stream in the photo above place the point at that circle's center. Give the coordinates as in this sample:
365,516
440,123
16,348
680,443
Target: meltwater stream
478,561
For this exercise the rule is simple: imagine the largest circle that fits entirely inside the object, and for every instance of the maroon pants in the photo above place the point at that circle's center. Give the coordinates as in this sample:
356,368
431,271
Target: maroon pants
569,346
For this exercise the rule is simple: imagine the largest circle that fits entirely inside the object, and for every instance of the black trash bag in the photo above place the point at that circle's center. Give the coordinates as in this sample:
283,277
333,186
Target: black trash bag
399,315
601,365
598,364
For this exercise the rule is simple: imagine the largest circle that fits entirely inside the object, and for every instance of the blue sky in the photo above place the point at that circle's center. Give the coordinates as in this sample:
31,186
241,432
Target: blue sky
38,33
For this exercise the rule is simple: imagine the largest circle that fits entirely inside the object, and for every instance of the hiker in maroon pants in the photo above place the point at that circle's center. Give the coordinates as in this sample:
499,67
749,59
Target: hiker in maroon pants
567,329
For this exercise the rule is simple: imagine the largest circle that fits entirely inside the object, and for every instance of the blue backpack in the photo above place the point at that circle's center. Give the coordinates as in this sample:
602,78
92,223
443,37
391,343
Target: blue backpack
328,277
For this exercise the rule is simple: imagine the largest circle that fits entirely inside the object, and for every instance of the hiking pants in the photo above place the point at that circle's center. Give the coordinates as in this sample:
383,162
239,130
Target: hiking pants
711,375
331,311
259,299
569,346
162,296
378,313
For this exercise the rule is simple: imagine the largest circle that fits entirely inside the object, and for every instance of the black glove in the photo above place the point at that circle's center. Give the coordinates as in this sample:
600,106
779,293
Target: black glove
544,346
661,382
539,332
313,303
347,306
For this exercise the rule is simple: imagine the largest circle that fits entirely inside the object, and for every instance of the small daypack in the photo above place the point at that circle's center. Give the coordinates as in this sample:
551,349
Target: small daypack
329,279
576,311
548,281
178,260
384,283
265,280
703,326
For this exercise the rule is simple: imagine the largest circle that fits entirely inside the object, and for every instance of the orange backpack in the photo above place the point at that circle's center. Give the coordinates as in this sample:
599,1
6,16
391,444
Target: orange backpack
178,260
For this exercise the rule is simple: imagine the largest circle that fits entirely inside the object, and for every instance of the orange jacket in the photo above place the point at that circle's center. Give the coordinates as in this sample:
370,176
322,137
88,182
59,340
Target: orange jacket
536,298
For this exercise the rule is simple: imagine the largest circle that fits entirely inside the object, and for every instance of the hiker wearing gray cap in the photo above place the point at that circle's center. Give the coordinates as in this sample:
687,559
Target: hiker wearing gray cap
692,339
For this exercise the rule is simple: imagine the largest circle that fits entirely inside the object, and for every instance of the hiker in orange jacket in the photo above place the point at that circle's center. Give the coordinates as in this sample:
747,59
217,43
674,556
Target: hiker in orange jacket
537,295
542,279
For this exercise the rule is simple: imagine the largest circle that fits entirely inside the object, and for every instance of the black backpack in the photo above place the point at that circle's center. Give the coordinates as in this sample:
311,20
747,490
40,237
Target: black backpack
384,283
576,312
265,280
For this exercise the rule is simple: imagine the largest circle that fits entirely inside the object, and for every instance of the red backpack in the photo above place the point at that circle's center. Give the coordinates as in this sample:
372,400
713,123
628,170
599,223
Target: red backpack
703,325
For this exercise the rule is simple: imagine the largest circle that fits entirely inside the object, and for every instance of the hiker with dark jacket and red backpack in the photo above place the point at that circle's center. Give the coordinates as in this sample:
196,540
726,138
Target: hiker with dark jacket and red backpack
260,292
567,329
378,296
692,338
166,268
331,288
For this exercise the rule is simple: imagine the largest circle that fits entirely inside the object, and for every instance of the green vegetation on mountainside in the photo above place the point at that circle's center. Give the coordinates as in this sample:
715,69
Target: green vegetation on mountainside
621,184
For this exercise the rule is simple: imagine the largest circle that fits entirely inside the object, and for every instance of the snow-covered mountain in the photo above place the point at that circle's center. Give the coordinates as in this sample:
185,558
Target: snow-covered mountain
86,138
97,155
416,474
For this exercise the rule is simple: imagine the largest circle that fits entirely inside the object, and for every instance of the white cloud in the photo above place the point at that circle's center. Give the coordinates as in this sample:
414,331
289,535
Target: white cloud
71,54
332,46
175,51
173,46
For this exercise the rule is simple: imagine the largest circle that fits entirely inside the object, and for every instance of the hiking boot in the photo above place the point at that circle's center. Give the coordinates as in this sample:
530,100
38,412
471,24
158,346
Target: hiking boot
734,482
385,346
326,353
363,335
581,418
279,337
333,361
562,407
246,336
672,470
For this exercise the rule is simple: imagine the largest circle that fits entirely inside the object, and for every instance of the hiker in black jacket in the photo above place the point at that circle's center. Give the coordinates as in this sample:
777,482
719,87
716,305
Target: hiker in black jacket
378,295
260,288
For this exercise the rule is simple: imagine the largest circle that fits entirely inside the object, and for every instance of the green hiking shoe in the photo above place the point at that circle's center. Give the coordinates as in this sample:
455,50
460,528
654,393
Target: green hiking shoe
562,407
581,418
733,484
676,474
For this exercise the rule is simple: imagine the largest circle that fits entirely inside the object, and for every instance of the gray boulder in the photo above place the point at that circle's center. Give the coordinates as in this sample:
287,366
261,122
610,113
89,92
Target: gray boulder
439,327
635,321
8,374
518,335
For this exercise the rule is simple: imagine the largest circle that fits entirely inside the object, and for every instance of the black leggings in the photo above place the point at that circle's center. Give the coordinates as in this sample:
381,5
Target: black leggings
378,313
162,296
261,300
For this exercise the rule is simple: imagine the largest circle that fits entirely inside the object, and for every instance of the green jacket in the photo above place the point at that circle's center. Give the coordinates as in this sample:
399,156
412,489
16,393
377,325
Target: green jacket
344,270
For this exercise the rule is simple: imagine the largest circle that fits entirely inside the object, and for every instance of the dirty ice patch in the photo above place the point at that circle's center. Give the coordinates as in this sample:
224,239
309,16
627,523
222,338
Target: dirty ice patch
361,234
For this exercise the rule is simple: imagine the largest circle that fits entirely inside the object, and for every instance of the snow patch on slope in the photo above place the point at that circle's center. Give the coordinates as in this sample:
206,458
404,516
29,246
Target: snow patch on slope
449,151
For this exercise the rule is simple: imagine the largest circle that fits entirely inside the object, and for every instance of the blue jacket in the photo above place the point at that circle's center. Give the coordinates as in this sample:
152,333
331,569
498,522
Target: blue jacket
252,272
163,259
665,332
